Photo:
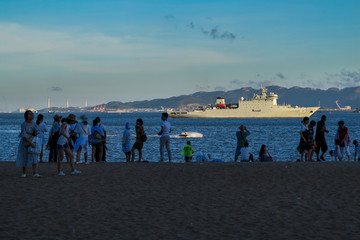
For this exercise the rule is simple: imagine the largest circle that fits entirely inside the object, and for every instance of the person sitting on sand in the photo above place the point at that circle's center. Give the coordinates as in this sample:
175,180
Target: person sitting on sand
187,152
357,151
241,139
25,157
264,155
246,155
63,145
126,142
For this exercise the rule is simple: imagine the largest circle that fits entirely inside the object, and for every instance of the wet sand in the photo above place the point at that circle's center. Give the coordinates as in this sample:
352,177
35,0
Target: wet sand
183,201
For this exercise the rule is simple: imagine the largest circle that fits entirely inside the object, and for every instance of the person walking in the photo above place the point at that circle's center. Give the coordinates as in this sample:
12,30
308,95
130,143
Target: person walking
165,136
320,139
26,157
241,139
139,142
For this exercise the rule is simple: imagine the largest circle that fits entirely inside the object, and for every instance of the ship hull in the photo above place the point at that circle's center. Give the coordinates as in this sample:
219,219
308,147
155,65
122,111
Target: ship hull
271,112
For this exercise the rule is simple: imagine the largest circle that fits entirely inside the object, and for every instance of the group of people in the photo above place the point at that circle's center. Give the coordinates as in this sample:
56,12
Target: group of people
309,144
67,135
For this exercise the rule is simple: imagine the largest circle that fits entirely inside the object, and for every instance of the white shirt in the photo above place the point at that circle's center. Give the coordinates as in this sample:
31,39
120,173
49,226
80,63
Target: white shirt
62,140
303,128
83,130
166,128
245,153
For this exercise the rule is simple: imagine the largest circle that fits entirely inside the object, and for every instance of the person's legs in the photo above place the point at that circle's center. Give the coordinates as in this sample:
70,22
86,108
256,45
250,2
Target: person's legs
167,144
162,145
133,154
60,159
140,154
78,154
51,153
70,157
324,149
99,147
24,170
85,156
42,152
35,168
93,151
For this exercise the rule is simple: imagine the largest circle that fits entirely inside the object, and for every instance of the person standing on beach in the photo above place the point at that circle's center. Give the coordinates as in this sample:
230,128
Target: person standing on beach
104,139
342,135
63,145
25,157
140,133
97,136
53,138
41,128
357,151
241,139
165,136
126,142
84,131
310,140
320,139
302,148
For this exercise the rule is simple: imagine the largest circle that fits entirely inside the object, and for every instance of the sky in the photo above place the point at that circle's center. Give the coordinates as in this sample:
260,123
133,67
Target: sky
113,50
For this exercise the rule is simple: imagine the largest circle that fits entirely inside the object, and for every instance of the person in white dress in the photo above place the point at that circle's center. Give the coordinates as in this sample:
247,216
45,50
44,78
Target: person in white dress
25,157
83,131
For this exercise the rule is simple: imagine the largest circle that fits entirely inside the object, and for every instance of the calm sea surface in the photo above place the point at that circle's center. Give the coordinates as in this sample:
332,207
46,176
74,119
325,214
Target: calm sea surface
280,135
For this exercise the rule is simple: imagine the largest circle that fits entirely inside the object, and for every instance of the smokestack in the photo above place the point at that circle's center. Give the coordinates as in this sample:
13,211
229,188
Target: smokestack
48,102
85,101
67,102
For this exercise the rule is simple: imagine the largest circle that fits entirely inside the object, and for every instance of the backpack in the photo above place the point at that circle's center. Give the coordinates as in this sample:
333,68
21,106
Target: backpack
96,135
143,137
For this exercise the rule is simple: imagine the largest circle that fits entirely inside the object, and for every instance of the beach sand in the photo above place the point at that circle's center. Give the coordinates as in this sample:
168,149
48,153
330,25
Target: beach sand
183,201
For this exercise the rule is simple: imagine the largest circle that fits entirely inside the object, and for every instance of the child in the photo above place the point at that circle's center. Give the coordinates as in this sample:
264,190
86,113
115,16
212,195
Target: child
126,143
333,159
246,155
187,152
338,155
357,151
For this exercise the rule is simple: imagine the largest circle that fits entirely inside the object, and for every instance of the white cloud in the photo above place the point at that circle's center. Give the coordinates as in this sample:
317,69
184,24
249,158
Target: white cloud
26,47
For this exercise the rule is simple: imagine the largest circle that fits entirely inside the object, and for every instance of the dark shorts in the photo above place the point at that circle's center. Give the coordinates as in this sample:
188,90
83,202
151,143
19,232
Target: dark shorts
128,153
62,147
188,159
138,145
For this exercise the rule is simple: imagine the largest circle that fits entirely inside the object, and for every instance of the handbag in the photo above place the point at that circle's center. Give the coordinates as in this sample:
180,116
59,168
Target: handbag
38,145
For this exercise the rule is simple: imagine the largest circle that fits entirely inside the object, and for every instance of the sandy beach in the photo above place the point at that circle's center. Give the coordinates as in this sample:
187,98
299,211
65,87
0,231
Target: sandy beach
183,201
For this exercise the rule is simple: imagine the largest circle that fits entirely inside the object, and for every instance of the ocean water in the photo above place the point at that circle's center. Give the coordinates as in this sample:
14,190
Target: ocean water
219,139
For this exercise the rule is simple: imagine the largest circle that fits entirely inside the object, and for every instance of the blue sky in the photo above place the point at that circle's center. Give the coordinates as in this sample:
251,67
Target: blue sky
135,50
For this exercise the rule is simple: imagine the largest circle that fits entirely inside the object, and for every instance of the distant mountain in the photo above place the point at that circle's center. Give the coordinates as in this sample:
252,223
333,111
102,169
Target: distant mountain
303,97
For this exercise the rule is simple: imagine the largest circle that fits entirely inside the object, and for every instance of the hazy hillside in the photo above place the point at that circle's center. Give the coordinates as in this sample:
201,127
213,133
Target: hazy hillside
303,97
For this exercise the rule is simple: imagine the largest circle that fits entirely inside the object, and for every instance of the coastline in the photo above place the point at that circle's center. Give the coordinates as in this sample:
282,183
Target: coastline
286,200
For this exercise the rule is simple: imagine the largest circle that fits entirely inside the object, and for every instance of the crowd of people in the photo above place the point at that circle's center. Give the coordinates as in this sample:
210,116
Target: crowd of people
68,136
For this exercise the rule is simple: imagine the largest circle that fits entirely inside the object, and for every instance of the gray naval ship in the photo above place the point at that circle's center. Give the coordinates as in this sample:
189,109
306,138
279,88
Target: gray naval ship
260,106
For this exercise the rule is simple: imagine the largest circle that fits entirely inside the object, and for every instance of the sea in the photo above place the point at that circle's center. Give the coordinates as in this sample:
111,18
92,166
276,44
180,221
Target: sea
212,136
